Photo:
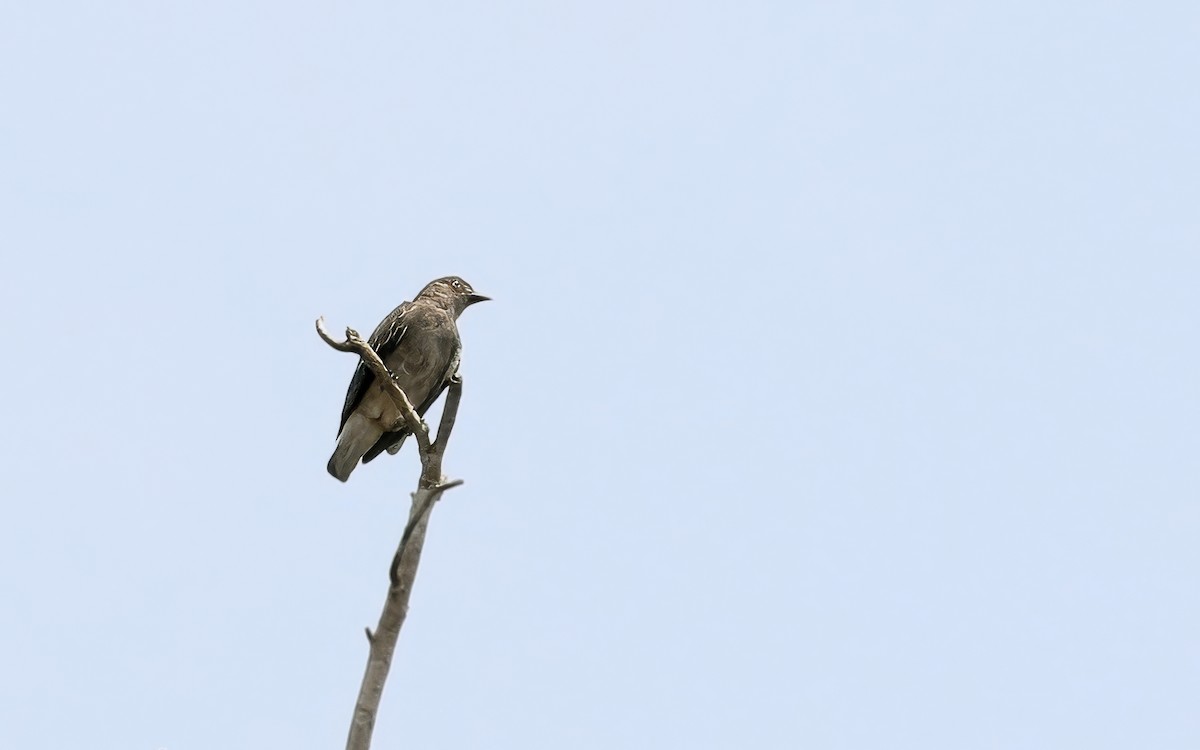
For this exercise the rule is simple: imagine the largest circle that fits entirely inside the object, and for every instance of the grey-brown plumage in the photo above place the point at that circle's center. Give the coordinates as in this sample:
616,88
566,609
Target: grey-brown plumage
419,343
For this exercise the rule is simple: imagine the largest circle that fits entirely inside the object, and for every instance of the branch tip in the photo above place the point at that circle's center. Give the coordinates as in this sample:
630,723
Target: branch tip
341,346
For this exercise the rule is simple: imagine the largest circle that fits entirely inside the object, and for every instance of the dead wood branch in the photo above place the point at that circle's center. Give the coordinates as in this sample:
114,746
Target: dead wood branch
403,570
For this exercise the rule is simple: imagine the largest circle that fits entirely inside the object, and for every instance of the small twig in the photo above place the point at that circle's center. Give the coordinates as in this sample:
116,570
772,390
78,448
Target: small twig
341,346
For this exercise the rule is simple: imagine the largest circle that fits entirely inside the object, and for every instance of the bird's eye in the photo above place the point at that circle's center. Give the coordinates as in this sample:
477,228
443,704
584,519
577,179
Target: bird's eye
455,284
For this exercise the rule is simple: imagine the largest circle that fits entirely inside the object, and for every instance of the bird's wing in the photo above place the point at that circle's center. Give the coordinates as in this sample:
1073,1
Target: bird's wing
384,340
424,372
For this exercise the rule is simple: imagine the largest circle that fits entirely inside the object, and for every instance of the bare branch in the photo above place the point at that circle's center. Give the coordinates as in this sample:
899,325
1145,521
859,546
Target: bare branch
403,570
449,485
449,413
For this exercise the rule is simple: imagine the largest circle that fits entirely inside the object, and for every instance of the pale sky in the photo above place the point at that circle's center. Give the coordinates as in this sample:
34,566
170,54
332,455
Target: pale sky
839,390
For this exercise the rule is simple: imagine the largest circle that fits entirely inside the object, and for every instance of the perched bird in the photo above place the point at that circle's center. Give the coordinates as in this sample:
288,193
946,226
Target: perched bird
419,343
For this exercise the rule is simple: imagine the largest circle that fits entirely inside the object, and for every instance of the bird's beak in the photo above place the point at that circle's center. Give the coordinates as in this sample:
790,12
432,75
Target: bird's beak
472,299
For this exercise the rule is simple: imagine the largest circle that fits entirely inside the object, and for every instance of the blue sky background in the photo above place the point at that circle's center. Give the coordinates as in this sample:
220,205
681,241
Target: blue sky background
839,390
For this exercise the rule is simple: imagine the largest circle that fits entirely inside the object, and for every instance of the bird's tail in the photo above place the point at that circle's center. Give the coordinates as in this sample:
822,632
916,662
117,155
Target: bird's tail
355,439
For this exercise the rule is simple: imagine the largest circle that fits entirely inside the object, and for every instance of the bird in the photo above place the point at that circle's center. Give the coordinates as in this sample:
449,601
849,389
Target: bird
419,343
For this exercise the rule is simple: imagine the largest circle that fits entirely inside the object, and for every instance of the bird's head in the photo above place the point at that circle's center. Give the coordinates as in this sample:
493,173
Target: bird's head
452,293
